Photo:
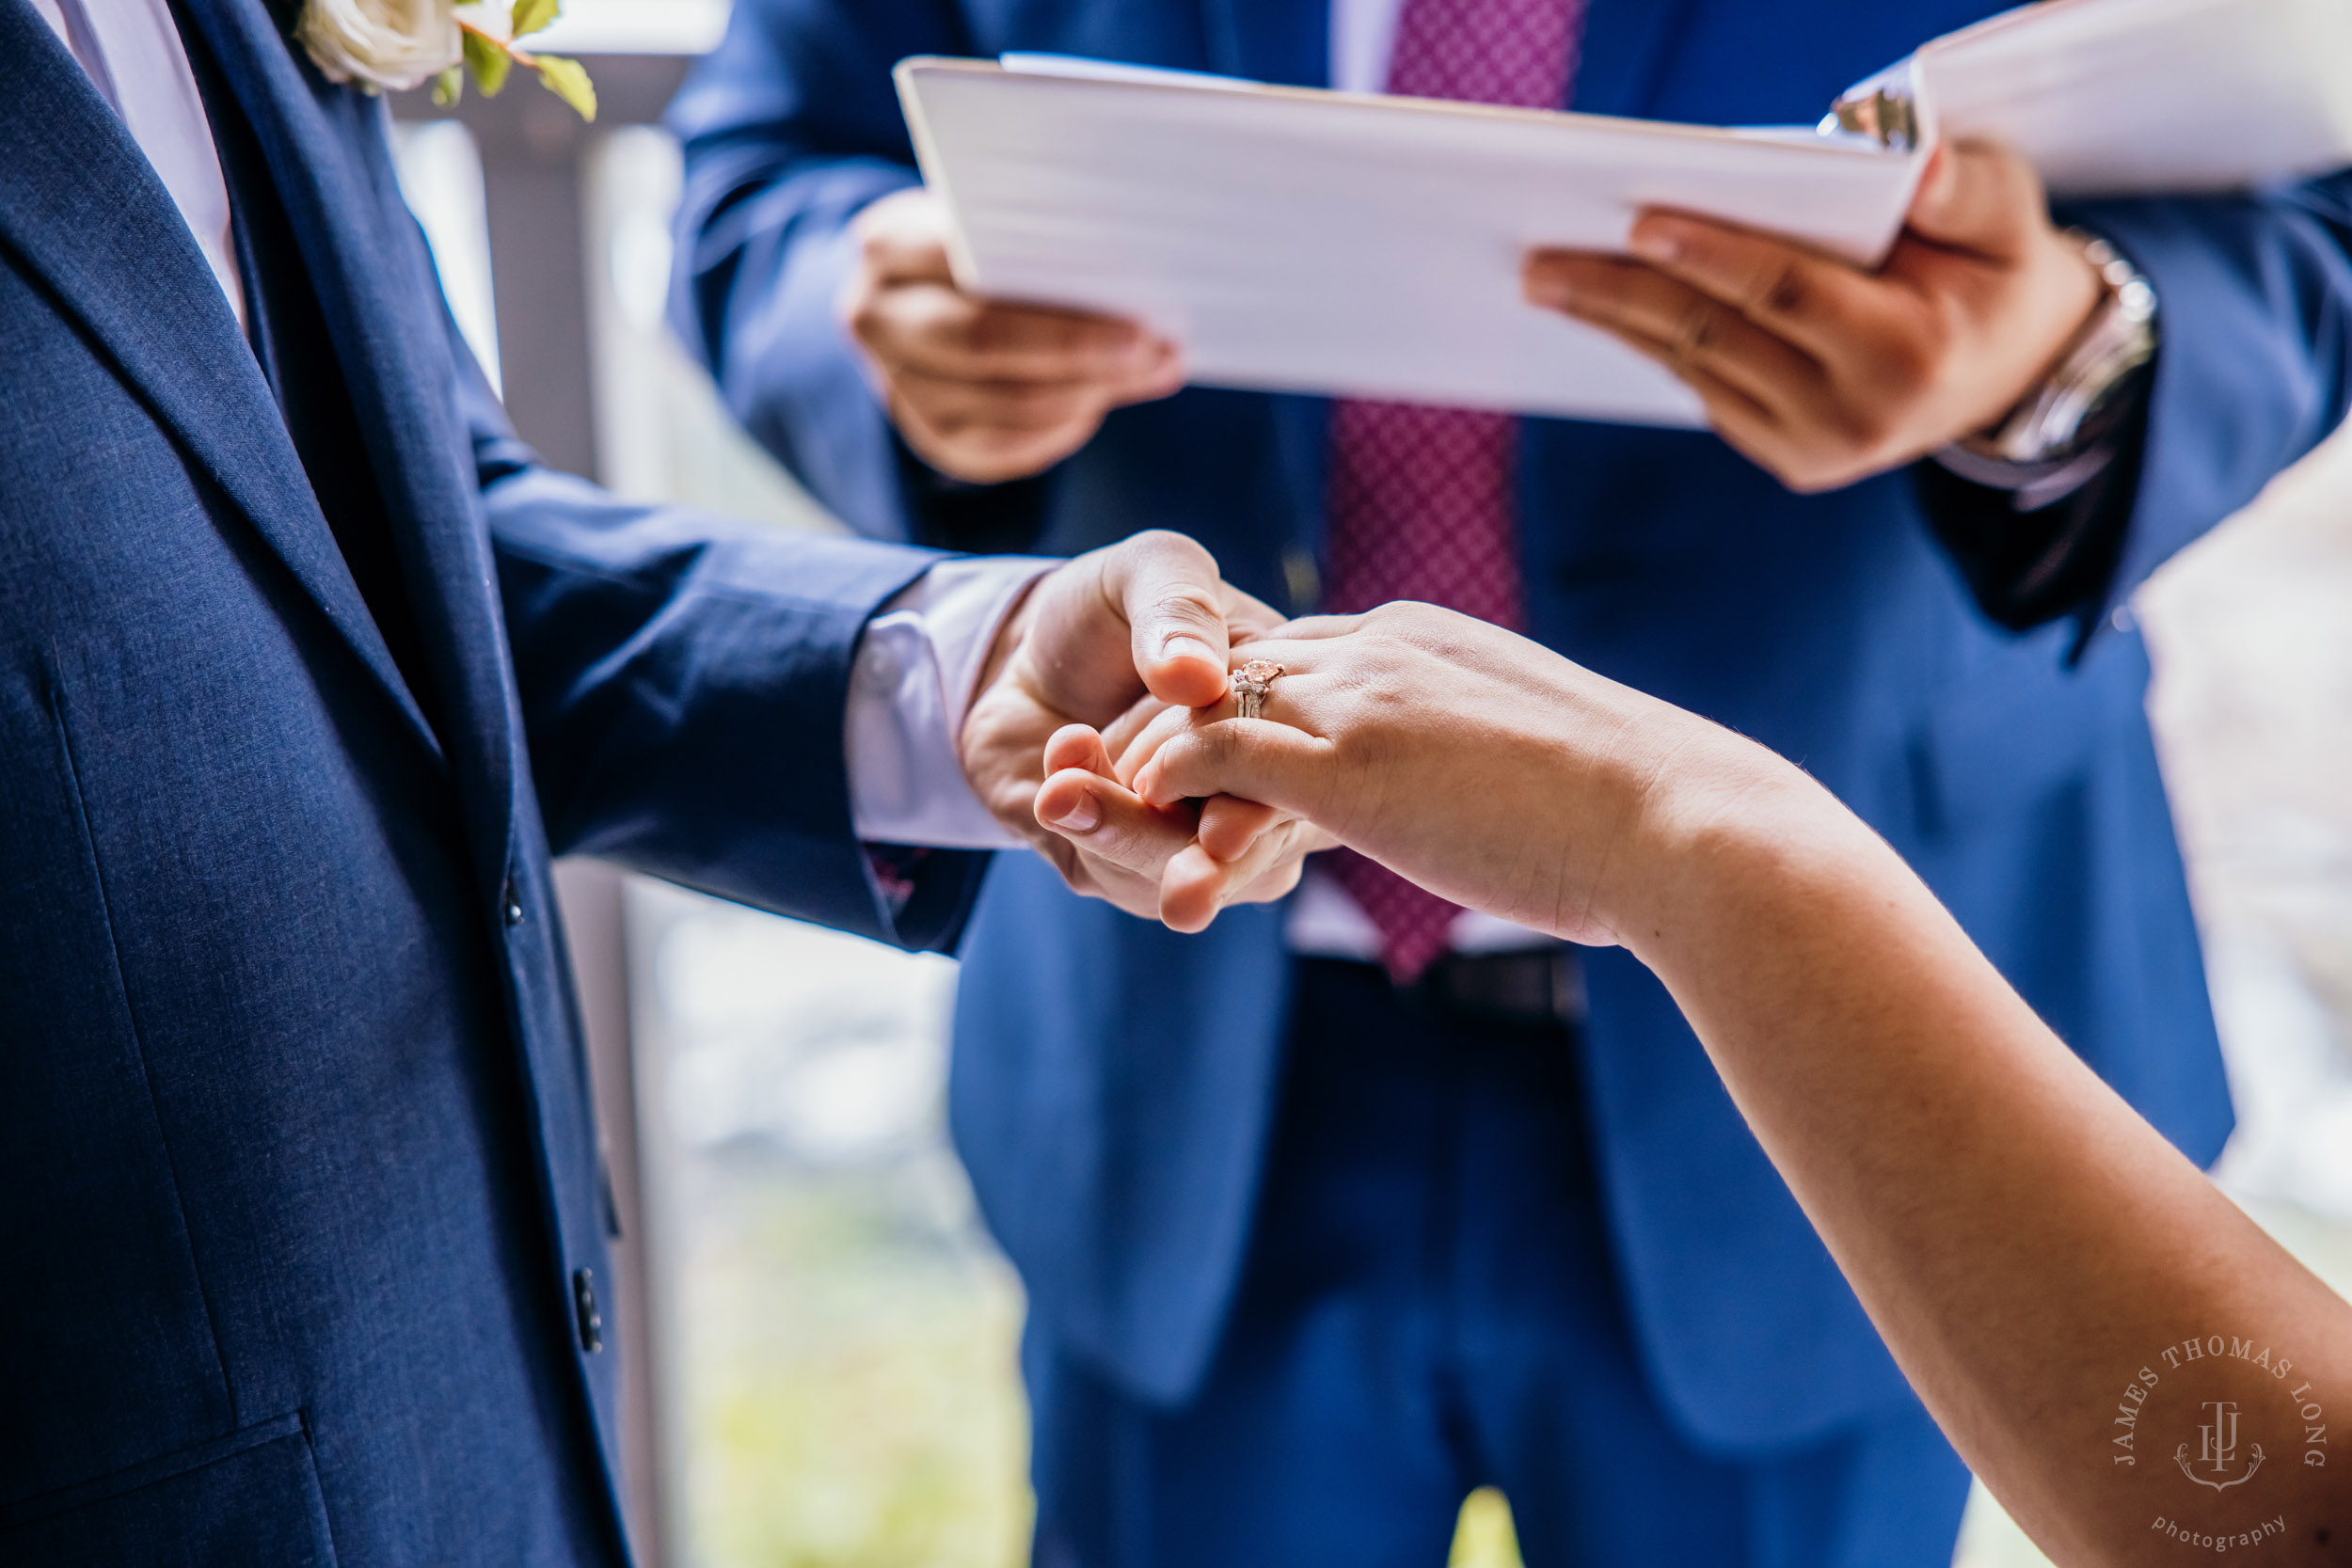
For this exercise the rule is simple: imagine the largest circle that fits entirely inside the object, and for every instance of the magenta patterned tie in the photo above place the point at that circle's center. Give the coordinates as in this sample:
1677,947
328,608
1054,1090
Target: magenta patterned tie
1423,500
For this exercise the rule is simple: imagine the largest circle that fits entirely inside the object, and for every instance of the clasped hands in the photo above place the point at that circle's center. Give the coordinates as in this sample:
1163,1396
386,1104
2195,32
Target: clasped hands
1095,652
1479,763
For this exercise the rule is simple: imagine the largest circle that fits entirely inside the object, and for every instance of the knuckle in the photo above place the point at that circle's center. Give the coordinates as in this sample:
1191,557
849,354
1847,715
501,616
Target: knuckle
1787,289
1916,365
963,452
983,332
1863,427
1695,327
1183,606
1170,542
1911,362
861,308
991,460
1820,478
1029,404
1184,553
1804,477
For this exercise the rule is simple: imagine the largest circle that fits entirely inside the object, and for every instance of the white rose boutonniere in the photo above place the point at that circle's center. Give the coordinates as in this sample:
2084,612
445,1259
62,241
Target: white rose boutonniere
380,44
396,44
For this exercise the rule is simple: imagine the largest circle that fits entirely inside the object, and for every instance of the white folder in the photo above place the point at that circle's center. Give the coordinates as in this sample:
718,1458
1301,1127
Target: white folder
2151,97
1298,240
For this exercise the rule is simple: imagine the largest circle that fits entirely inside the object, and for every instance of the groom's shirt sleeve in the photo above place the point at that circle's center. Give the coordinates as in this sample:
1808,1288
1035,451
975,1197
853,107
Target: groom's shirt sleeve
917,668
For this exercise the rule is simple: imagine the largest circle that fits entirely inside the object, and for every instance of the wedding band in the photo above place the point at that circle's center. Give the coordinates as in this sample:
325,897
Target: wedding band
1252,682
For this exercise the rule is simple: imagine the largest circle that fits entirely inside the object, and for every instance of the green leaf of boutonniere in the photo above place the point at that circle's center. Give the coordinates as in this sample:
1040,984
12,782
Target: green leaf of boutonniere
489,62
489,57
569,82
532,15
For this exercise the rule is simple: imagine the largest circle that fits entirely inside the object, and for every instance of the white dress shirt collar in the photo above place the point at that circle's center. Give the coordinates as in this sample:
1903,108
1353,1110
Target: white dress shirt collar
132,52
1363,34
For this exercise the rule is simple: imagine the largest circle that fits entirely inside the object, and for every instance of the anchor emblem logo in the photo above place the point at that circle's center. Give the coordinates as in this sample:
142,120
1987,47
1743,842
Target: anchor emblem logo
2218,1449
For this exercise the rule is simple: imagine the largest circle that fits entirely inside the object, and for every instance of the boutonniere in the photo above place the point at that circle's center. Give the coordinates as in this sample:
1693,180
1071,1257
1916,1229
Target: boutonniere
392,45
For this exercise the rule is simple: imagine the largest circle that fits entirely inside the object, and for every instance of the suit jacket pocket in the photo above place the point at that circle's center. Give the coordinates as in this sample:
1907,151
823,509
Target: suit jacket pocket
114,1354
249,1499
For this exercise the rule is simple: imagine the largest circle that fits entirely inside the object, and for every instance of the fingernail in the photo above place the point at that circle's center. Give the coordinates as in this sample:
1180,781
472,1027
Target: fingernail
1556,293
1084,817
1655,242
1182,645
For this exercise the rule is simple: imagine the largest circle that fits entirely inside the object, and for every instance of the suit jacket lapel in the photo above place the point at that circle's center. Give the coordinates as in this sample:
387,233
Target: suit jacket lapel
80,202
329,158
1623,53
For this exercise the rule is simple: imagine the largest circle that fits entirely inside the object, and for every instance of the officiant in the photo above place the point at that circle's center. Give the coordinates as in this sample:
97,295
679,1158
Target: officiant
1347,1206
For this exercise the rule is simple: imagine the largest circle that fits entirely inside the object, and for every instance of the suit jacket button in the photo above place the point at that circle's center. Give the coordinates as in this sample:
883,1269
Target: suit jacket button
513,904
584,1309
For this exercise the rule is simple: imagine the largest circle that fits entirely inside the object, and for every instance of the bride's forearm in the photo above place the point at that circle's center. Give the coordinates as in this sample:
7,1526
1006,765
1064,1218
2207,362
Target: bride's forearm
2026,1244
2030,1248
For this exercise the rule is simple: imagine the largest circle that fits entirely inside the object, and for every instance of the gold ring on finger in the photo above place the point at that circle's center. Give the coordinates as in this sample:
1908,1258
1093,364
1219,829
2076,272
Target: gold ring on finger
1251,683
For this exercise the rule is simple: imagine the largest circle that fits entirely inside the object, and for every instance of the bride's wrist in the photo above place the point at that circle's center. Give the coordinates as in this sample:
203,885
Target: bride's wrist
1719,821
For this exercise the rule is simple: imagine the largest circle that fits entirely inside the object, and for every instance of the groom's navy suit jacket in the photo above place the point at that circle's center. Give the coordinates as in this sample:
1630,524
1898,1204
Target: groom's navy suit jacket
1112,1082
302,676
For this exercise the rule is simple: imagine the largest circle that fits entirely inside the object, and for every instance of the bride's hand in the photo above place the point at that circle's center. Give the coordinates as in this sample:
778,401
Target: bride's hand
1086,800
1479,764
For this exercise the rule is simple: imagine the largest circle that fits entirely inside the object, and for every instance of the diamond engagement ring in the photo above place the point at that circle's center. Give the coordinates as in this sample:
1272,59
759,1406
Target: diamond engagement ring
1252,682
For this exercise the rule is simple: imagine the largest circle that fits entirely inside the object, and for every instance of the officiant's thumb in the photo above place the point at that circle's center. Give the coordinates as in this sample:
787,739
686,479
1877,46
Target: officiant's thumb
1173,598
1979,197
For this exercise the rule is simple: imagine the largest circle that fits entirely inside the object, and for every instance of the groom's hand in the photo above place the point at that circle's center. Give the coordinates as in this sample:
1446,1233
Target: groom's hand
1146,620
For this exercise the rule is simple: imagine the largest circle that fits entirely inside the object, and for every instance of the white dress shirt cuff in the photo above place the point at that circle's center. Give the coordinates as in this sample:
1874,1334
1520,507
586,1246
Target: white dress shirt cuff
910,684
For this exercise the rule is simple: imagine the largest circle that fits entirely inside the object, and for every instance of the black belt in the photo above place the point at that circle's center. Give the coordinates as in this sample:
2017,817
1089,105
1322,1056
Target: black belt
1529,988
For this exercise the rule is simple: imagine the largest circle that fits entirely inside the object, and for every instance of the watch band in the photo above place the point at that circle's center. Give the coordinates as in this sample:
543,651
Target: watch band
2056,420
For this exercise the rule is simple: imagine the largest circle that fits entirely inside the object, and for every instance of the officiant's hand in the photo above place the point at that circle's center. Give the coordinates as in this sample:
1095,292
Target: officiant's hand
985,391
1823,372
1101,644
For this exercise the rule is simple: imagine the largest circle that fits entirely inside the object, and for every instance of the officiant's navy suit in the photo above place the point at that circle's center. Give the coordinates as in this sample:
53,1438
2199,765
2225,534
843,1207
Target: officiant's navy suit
305,666
1117,1089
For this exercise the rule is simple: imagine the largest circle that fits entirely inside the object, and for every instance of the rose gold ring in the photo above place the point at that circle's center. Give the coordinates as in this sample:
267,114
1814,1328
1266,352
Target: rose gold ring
1252,682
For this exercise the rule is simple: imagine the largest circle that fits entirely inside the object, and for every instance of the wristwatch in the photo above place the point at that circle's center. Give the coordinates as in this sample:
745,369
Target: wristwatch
2060,420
